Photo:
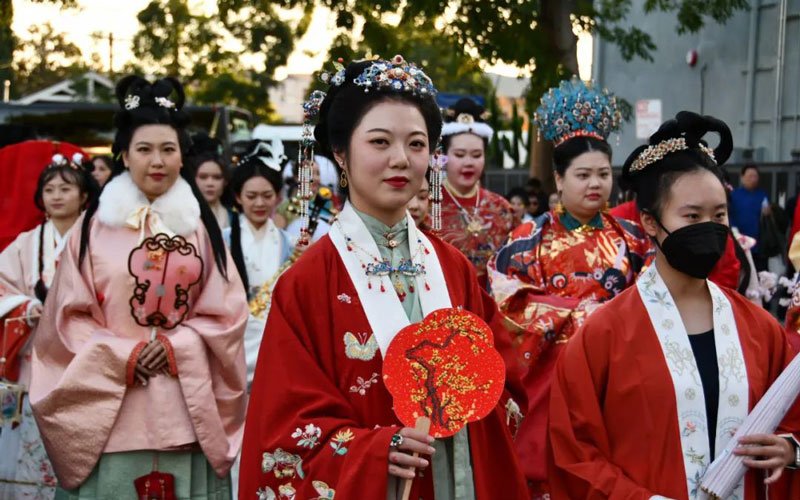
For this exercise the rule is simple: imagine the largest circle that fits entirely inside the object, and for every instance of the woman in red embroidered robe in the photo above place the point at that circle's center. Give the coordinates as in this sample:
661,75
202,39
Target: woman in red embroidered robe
474,220
656,383
320,420
556,270
27,267
113,400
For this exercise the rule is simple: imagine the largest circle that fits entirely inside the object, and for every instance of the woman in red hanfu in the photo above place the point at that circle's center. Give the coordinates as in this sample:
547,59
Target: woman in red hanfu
556,270
655,384
474,220
320,421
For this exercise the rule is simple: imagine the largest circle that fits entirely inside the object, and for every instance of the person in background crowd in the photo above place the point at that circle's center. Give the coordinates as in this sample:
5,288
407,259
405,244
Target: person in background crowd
748,204
259,249
27,268
135,396
555,271
419,205
102,165
212,177
652,388
474,220
537,196
521,203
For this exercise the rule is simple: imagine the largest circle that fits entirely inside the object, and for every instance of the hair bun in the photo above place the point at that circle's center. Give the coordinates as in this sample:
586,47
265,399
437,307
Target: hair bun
465,107
689,127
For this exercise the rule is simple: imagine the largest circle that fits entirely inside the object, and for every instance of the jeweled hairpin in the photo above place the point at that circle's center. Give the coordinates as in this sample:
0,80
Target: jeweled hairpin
658,152
305,161
396,75
164,102
131,101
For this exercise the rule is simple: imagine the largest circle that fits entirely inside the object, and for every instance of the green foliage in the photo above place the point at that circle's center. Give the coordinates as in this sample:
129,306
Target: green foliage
207,51
44,59
7,40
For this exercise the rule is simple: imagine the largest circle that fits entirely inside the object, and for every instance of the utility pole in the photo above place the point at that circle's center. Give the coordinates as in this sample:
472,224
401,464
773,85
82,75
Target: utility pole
111,53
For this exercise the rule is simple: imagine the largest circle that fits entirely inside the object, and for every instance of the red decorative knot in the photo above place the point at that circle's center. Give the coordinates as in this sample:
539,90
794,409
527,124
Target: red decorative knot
427,252
427,287
411,288
363,266
349,248
383,289
369,285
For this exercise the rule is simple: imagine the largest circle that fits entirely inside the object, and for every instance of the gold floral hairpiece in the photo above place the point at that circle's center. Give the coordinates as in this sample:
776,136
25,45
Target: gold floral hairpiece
658,151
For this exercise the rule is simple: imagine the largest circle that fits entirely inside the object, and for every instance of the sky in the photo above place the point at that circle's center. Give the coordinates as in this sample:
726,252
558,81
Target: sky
96,16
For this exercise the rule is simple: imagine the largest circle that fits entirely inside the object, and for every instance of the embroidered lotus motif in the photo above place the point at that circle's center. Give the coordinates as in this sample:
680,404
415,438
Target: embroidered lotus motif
164,269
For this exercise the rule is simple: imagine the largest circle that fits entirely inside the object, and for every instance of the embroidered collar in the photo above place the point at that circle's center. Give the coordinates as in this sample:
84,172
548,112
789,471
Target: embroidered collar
572,224
122,204
384,235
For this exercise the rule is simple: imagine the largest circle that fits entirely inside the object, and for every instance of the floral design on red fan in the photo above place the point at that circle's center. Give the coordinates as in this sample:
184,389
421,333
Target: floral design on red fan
165,269
445,368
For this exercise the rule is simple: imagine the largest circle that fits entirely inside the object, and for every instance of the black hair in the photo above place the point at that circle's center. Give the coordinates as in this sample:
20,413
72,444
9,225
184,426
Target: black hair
521,193
71,174
567,151
109,162
463,106
652,184
207,149
345,105
251,165
749,166
159,103
77,175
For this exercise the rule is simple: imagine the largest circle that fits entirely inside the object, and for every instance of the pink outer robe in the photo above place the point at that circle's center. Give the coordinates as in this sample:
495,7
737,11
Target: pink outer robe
613,430
82,349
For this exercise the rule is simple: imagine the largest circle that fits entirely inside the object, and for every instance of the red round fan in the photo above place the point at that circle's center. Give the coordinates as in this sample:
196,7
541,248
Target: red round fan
444,368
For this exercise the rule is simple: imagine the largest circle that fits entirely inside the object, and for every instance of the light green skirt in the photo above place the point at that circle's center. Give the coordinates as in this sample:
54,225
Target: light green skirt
113,476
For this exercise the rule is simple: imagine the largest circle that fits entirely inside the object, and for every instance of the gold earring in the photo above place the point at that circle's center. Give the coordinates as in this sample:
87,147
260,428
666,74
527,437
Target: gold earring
559,210
343,180
606,207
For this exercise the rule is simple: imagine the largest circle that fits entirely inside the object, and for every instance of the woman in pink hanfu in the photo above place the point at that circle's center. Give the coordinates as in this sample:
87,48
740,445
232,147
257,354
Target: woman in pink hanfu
138,374
27,267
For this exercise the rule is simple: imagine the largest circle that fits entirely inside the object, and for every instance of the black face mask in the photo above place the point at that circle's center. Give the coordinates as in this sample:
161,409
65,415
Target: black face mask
695,249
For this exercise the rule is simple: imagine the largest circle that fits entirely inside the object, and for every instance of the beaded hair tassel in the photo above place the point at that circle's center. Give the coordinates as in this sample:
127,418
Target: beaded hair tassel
438,162
305,161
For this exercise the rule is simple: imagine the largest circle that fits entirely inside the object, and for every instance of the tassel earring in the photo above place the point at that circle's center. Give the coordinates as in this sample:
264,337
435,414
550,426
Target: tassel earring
343,180
437,164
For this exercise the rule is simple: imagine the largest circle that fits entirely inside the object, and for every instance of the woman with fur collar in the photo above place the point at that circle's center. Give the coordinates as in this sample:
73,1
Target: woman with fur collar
139,376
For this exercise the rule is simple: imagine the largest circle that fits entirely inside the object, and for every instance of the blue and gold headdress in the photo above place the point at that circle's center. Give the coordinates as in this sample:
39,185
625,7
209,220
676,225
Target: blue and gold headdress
575,109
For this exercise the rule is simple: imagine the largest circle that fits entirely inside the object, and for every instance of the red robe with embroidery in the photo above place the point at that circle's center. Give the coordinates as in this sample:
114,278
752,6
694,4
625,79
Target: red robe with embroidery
613,429
320,417
497,218
546,280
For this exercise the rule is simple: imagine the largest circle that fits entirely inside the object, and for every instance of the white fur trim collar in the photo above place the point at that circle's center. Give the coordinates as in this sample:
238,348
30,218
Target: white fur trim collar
480,129
177,208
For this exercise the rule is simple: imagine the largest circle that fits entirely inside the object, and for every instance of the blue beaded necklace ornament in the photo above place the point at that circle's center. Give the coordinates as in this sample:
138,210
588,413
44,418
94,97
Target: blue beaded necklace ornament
380,268
577,109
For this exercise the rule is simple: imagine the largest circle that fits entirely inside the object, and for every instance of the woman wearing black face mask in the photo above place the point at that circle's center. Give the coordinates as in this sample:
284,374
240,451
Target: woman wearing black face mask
654,386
